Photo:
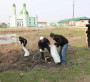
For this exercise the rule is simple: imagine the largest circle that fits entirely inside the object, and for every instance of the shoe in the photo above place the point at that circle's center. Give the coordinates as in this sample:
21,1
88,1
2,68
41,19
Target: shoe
42,61
63,63
59,63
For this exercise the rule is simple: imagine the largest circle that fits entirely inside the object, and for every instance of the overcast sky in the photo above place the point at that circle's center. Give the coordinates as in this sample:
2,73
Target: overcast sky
47,10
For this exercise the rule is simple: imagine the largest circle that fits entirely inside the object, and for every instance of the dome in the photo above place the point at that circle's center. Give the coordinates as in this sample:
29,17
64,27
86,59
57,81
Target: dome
13,5
24,5
21,13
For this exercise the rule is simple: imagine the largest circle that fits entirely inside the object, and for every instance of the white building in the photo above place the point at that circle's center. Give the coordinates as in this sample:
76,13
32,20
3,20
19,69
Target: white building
79,21
23,19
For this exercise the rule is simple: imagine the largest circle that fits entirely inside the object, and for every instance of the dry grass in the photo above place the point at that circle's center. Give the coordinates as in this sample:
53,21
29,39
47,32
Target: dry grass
11,51
11,57
1,38
32,35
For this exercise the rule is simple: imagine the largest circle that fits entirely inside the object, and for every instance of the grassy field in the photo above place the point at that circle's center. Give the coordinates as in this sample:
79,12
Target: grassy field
15,68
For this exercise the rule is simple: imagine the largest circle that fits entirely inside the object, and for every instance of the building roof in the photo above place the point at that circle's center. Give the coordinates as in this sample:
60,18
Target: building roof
84,19
42,22
75,19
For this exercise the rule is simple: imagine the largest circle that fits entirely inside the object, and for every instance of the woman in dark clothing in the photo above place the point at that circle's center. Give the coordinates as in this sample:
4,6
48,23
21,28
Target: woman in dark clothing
23,41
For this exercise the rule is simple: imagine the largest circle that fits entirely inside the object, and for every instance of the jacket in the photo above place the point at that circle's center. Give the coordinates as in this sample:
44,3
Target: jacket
60,40
88,30
23,41
43,44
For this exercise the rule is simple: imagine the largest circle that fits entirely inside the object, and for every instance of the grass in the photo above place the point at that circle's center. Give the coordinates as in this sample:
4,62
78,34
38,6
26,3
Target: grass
48,75
78,63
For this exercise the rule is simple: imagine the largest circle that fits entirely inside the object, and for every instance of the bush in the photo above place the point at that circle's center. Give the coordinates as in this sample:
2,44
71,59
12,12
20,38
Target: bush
3,25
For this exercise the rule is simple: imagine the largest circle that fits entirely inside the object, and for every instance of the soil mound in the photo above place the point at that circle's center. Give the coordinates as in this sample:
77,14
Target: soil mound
16,60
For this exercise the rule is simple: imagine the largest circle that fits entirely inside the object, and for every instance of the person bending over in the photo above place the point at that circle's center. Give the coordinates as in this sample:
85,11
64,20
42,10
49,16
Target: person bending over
42,44
23,41
63,43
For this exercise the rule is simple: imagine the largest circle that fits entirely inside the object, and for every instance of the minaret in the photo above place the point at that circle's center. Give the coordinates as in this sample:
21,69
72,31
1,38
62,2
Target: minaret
14,17
24,15
36,20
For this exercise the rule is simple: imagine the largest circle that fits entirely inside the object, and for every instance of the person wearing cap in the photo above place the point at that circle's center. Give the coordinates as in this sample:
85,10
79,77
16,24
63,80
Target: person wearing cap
23,41
88,33
42,44
63,43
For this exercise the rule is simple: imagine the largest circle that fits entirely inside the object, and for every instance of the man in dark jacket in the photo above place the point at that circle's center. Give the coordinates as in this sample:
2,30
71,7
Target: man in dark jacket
23,41
42,44
63,42
88,33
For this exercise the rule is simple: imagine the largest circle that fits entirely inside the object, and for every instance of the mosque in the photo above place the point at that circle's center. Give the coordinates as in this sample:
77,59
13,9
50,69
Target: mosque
23,20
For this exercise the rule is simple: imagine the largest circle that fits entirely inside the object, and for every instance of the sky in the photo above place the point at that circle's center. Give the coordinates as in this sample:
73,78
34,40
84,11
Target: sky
46,10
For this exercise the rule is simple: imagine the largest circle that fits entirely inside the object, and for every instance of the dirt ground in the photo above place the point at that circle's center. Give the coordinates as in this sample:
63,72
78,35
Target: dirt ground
12,56
15,60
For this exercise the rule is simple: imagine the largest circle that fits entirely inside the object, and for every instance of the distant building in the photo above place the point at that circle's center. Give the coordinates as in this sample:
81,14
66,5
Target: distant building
23,19
80,21
42,24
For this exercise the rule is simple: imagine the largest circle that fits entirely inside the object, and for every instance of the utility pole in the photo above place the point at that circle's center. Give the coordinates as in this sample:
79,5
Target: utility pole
73,9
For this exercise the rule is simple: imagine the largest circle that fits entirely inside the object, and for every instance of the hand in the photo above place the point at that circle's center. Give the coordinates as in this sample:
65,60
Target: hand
49,45
22,44
41,50
86,31
19,42
57,45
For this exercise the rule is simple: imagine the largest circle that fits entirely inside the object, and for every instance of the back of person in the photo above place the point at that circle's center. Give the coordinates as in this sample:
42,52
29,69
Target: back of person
44,43
23,41
63,42
61,39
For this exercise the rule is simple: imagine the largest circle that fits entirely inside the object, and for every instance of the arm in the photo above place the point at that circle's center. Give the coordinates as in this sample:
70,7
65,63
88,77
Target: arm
57,44
24,41
48,41
39,45
86,25
20,41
